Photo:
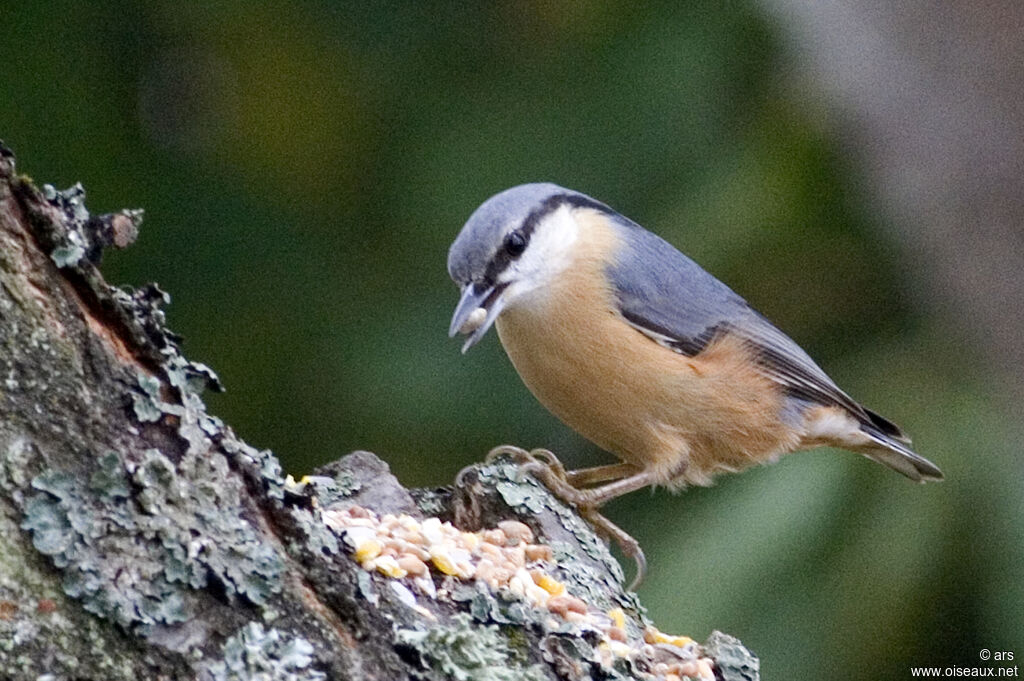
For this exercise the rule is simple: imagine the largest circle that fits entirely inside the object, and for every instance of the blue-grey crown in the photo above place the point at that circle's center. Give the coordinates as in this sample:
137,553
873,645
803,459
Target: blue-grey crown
520,207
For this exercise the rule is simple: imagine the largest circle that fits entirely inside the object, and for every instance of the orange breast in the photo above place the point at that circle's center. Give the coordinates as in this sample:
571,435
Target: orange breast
686,417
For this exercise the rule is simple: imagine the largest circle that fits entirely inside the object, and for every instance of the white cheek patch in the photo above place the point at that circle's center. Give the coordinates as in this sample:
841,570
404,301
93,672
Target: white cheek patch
549,253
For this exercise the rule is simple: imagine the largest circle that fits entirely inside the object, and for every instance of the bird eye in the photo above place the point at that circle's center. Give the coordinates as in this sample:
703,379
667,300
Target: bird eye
515,244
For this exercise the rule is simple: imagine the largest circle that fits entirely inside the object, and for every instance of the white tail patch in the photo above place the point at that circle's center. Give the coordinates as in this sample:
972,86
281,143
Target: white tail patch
835,427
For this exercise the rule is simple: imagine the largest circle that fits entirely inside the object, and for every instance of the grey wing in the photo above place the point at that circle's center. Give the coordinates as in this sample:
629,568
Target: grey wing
672,300
667,296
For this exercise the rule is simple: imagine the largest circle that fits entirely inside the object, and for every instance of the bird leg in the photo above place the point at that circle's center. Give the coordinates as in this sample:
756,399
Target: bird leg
624,477
585,477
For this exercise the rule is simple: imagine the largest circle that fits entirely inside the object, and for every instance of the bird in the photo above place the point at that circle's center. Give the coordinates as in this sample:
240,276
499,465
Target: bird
634,346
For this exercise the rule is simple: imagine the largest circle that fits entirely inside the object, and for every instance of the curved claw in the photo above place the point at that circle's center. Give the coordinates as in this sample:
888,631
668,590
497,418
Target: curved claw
517,454
630,547
547,458
641,568
534,461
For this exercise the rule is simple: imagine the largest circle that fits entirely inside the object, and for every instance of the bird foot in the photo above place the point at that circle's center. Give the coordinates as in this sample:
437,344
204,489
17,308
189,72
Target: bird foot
533,461
545,466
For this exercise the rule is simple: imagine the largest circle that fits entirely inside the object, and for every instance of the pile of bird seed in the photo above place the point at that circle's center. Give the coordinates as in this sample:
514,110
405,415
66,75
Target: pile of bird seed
505,558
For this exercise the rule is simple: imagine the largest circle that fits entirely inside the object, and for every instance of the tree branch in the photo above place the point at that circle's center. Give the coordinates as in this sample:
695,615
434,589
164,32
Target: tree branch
141,538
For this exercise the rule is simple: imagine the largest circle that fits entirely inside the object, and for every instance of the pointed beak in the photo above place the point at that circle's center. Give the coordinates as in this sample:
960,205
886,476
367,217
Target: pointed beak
478,307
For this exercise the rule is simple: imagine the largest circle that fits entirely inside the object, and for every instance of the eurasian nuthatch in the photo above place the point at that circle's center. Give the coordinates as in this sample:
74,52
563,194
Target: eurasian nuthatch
637,348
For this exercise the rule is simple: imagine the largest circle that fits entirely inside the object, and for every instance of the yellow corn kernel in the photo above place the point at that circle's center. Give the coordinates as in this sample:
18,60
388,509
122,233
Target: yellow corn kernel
679,641
367,550
618,617
389,567
653,635
551,585
441,559
470,540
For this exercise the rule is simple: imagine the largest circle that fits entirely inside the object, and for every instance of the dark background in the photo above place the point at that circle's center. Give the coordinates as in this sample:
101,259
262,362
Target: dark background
304,166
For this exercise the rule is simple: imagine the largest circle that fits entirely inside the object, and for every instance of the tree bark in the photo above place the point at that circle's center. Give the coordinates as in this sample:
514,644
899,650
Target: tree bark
141,538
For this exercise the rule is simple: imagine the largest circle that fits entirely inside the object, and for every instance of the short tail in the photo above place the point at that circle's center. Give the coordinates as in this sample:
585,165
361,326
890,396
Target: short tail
890,447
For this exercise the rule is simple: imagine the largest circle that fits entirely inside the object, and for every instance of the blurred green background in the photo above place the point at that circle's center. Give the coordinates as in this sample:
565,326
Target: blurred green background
304,166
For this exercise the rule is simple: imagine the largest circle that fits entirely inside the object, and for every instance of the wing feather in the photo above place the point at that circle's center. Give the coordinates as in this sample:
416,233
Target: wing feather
672,300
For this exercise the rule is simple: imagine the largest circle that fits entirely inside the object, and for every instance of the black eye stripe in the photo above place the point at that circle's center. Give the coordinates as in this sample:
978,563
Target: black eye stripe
503,256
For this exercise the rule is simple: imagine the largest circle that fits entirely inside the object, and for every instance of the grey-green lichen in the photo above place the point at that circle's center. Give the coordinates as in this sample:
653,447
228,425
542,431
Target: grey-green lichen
83,235
72,201
341,486
136,537
264,654
316,537
190,379
734,661
146,402
431,502
464,651
40,632
499,607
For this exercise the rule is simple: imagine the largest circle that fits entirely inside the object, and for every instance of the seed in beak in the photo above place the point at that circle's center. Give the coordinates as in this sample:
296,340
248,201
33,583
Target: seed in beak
473,321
